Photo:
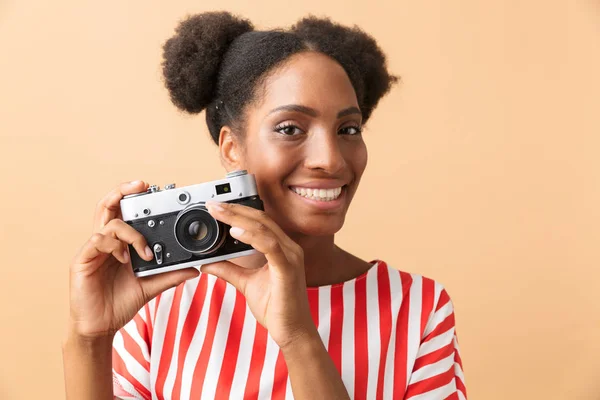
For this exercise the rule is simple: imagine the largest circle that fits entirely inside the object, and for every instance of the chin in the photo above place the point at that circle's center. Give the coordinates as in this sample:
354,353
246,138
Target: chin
322,227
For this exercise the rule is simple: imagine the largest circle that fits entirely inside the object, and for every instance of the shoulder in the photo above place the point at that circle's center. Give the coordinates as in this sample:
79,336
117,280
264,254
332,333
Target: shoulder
416,293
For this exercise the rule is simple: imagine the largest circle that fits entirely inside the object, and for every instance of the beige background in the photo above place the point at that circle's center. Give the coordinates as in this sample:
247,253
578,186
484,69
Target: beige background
484,171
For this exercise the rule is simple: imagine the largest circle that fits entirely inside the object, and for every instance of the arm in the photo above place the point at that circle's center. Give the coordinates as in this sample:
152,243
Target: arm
437,371
87,367
313,374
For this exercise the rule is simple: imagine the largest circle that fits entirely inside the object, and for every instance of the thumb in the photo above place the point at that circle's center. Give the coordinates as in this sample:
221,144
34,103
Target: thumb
230,272
153,285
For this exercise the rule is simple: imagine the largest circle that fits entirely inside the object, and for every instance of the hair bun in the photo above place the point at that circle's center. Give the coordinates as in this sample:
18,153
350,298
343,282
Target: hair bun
191,58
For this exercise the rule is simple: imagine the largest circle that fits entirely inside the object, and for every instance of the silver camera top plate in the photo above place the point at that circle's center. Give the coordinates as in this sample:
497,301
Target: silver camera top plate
237,185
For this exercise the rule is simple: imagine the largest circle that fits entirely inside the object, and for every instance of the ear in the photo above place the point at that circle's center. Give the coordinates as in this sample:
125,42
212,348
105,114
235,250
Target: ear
230,148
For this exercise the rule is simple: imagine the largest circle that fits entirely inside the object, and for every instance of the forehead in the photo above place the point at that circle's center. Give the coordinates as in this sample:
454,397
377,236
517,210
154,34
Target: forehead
311,79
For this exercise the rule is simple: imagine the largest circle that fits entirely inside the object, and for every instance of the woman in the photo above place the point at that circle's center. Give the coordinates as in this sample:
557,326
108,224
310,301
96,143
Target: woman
308,319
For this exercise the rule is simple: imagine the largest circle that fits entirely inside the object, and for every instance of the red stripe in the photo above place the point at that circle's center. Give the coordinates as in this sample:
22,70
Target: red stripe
188,330
149,324
460,386
444,299
442,327
429,384
385,322
156,303
433,357
400,358
280,378
313,301
428,296
134,349
141,327
361,341
457,357
335,335
232,348
257,360
168,342
121,368
216,301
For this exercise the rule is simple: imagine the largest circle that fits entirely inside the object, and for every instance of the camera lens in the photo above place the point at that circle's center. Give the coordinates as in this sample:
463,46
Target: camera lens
197,231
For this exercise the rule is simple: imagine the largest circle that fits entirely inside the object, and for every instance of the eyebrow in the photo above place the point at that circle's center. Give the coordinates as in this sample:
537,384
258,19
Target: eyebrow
312,112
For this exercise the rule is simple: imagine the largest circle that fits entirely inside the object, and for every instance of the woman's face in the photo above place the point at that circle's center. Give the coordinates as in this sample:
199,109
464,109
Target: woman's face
303,144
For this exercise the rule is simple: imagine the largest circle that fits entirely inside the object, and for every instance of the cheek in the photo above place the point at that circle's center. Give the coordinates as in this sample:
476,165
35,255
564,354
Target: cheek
269,162
359,159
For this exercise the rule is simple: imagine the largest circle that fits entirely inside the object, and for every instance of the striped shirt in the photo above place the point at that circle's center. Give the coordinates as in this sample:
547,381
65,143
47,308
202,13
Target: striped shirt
391,335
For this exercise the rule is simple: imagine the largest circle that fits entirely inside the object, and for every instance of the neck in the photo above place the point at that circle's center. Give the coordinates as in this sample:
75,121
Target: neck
324,262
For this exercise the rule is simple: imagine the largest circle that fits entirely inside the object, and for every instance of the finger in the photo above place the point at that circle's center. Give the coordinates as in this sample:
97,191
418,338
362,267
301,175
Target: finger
230,272
121,230
232,214
102,245
155,284
265,242
109,207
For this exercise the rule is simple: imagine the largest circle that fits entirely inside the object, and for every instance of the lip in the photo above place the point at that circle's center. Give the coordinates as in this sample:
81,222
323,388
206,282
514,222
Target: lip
323,205
329,184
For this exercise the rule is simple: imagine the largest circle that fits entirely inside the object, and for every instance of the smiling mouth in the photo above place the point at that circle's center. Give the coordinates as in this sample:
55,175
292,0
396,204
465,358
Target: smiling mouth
318,194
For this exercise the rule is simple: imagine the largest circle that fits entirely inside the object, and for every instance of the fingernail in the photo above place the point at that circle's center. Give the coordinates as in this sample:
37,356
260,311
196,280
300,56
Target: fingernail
135,182
149,252
236,232
214,205
126,256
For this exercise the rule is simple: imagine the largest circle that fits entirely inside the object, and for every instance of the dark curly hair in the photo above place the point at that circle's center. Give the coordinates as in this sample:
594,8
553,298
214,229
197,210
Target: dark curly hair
217,61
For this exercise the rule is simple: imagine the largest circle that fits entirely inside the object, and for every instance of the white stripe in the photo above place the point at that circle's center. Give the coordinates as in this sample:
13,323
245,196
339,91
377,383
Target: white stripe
439,393
134,368
325,314
142,313
457,368
433,369
242,367
436,343
217,353
268,371
289,395
373,332
131,329
349,295
396,296
461,396
189,363
414,323
187,295
158,333
128,387
437,318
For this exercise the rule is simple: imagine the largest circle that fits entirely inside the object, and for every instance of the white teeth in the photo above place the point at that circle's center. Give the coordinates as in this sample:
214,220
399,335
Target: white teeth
318,194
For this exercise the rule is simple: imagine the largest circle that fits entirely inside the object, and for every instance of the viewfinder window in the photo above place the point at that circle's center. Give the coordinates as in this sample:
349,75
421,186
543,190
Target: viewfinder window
223,189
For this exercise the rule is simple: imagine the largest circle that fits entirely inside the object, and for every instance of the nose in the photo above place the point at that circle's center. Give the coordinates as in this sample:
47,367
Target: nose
325,153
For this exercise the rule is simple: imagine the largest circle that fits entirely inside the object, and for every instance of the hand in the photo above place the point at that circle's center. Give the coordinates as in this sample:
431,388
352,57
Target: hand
276,292
104,292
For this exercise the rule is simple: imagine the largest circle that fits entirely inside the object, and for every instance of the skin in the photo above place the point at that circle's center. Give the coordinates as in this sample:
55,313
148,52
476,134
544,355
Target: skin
297,248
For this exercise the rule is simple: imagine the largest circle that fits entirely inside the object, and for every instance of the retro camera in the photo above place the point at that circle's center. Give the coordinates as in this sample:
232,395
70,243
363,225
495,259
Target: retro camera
178,227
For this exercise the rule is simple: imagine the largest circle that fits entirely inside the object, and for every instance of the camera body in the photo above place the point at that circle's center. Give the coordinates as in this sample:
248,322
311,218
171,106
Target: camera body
179,229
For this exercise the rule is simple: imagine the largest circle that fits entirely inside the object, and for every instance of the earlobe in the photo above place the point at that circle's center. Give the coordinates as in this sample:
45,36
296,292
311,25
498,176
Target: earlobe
229,149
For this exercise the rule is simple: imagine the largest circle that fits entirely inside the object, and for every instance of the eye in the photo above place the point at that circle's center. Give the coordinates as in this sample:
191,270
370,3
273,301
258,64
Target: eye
288,129
351,130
